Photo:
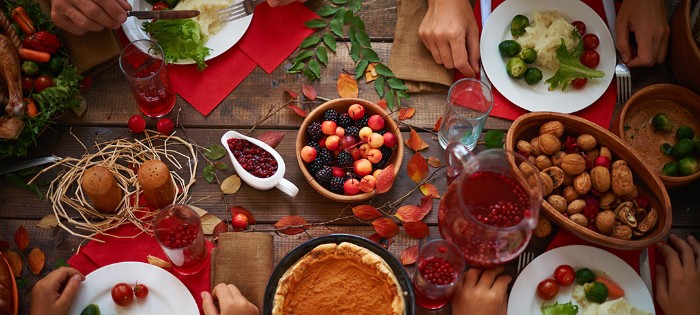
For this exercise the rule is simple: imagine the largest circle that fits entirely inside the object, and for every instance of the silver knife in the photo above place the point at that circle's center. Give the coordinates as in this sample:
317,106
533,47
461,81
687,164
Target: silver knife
645,269
17,166
163,14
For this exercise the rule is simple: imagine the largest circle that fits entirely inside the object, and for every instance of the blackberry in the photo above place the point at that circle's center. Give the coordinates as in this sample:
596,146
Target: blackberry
344,159
324,156
379,165
362,122
324,175
331,115
386,152
352,131
381,132
314,167
314,130
315,145
345,121
337,185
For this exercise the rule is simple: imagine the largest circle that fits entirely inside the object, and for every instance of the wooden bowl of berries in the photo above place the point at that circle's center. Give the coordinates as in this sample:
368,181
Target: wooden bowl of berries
594,185
343,144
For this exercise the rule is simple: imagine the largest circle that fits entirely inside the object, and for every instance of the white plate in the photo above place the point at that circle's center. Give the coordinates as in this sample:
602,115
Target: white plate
166,294
229,34
537,98
523,296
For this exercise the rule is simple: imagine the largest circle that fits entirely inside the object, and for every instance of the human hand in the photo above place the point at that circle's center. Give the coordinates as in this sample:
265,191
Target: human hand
678,284
647,20
81,16
47,296
274,3
482,292
231,301
450,33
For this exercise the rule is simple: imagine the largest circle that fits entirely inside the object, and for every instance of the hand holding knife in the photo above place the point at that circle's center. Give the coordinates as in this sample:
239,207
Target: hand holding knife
163,14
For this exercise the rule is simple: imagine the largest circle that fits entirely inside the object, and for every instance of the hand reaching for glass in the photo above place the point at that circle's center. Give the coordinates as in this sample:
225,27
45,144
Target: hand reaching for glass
678,283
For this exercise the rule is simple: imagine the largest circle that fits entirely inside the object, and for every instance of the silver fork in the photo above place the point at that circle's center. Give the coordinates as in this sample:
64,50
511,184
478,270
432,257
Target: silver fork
524,259
238,10
623,76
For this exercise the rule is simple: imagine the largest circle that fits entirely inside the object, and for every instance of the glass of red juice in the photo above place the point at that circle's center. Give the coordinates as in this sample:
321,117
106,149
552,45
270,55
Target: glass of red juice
440,265
143,65
178,230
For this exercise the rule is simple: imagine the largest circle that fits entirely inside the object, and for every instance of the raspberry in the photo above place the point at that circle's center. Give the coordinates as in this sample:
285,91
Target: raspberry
325,157
362,122
314,130
337,185
314,167
345,121
352,131
331,115
324,175
345,159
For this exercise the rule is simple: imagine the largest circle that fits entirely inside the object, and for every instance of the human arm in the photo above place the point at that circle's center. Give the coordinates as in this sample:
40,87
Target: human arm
82,16
646,19
678,284
231,301
47,296
274,3
482,292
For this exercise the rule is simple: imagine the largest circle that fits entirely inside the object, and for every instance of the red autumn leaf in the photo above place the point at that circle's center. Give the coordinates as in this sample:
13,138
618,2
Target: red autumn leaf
411,213
292,220
434,162
438,123
15,262
385,227
426,203
297,110
384,242
385,179
291,94
417,168
429,190
272,138
236,210
366,212
406,113
36,260
416,229
308,91
4,245
220,227
347,86
21,238
382,104
365,186
415,142
409,256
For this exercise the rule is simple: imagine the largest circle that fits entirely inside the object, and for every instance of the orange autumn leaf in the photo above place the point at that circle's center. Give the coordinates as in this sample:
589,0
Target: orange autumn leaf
237,209
347,86
417,168
426,203
438,123
371,73
429,190
385,227
297,110
409,256
406,113
308,91
36,260
411,213
434,162
385,179
417,229
415,142
15,262
285,224
382,104
21,238
272,138
291,94
366,212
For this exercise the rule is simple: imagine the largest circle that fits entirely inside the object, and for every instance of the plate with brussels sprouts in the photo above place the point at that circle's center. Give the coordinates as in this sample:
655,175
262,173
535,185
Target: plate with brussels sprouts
546,55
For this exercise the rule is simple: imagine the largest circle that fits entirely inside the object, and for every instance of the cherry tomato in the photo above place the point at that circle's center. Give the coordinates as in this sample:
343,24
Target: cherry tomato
122,294
27,84
42,82
137,124
579,83
580,27
158,6
590,58
565,275
547,289
165,126
140,291
590,41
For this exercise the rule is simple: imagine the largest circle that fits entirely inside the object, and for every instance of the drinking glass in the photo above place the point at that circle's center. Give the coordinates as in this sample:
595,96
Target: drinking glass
469,102
146,72
440,266
178,230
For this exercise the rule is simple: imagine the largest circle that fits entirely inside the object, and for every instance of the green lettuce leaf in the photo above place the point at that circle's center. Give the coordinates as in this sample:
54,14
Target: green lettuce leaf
180,39
570,68
559,309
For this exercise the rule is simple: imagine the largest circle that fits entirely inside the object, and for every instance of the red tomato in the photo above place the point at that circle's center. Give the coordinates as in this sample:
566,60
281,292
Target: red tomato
590,41
579,83
137,124
140,291
27,84
165,126
590,58
565,275
580,27
158,6
547,289
122,294
42,82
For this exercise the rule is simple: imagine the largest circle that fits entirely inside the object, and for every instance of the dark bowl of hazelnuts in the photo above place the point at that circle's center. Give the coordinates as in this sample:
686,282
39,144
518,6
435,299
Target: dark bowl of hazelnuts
344,144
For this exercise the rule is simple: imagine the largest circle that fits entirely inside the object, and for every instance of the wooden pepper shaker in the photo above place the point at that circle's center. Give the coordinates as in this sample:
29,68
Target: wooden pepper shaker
156,183
99,184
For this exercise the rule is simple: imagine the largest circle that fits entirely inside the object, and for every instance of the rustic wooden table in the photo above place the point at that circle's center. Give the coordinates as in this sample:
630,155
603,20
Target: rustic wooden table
110,105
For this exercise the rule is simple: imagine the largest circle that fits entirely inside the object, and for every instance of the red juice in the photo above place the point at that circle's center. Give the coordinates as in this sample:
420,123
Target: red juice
182,241
152,89
434,282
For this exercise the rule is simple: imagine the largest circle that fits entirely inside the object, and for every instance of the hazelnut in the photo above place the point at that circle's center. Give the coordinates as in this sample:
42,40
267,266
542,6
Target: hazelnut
557,202
622,232
582,183
553,127
535,146
579,219
524,148
604,151
556,158
569,194
542,162
543,228
573,164
549,144
600,179
605,222
576,206
586,142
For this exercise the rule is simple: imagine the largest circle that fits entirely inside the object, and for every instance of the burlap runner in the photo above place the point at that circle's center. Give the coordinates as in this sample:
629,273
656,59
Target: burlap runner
409,59
246,261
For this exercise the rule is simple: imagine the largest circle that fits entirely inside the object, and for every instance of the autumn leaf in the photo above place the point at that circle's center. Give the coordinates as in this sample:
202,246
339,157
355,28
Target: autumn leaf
371,73
409,256
291,220
434,162
429,190
21,238
382,104
308,91
222,227
415,142
291,94
347,86
417,229
237,209
297,110
385,227
384,242
15,262
49,221
406,113
426,203
153,260
385,179
411,213
36,260
438,123
366,212
230,185
209,223
272,138
417,168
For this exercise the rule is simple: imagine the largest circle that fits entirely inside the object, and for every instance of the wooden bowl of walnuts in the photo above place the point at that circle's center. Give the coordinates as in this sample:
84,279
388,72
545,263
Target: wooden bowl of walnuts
594,185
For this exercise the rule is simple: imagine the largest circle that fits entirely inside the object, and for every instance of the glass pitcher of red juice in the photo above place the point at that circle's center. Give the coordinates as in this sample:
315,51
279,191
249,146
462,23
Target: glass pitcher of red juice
491,205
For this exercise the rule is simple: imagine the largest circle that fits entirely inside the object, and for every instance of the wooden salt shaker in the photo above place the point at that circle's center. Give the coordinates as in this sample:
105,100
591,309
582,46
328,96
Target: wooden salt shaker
156,183
99,184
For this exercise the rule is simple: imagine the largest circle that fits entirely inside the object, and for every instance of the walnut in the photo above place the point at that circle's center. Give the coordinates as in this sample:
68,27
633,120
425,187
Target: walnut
527,169
553,127
543,228
569,194
590,157
549,144
547,184
531,159
556,158
608,201
556,174
600,179
542,162
524,148
626,215
579,219
586,142
557,202
605,222
582,183
622,180
604,151
622,232
573,164
535,145
576,206
633,194
649,221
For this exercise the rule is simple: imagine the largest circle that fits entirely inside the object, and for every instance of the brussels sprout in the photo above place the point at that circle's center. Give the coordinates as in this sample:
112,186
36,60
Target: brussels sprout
682,149
596,292
662,122
516,68
528,55
91,309
518,25
533,75
509,48
670,169
687,166
696,144
666,148
584,275
684,132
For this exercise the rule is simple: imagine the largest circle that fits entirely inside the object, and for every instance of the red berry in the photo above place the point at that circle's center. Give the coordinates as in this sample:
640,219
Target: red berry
137,124
165,126
240,221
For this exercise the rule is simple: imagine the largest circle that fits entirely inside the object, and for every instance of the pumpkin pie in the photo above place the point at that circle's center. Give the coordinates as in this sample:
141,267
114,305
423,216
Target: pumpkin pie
339,279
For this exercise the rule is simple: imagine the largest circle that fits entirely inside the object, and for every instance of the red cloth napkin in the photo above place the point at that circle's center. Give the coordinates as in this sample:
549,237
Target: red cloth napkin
95,255
600,112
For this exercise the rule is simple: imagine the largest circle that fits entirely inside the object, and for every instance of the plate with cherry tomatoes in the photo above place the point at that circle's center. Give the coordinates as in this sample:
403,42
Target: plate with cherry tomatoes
134,288
551,278
536,96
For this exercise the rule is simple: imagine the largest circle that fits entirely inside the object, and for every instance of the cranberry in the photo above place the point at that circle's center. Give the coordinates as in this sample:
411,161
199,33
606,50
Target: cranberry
182,235
437,270
254,159
504,213
570,145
